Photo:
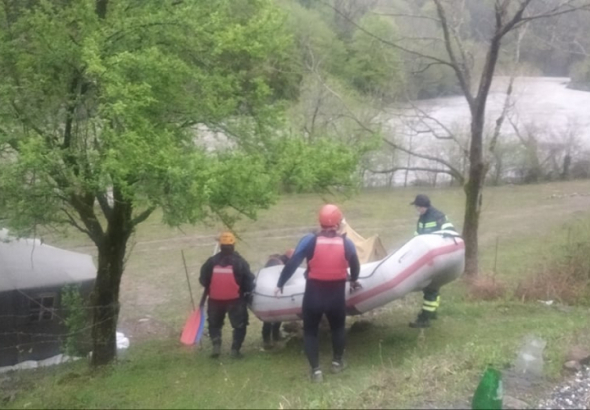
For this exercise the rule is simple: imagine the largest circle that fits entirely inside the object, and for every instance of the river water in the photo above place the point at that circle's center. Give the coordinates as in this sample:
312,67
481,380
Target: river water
543,104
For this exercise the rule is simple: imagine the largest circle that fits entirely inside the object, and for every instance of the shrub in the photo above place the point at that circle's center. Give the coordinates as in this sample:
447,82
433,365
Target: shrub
485,287
77,322
566,277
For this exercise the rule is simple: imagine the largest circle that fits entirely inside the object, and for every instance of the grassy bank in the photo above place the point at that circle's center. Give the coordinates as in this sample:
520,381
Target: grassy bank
391,365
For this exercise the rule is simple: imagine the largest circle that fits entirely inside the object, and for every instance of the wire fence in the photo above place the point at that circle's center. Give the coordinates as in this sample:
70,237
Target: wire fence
26,339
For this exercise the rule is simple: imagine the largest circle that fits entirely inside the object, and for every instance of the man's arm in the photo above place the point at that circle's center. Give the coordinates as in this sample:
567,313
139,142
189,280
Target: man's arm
304,250
206,273
352,258
246,276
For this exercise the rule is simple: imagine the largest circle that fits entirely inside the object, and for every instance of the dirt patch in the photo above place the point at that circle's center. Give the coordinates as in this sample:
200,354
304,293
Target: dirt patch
147,328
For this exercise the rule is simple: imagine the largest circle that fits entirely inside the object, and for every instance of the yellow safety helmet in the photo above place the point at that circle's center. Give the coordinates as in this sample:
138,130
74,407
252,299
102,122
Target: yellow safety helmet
227,238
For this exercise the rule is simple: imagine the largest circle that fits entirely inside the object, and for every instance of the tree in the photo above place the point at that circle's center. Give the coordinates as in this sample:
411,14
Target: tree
508,16
108,111
372,67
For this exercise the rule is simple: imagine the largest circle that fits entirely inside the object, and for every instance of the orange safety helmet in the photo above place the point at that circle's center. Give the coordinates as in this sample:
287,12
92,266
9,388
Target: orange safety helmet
289,253
330,216
227,238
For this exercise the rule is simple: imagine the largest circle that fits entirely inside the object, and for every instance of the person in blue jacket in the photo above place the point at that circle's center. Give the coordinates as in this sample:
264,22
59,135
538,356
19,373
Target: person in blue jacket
329,256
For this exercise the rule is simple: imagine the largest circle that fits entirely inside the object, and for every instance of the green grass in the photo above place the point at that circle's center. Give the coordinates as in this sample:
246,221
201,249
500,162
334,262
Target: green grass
391,365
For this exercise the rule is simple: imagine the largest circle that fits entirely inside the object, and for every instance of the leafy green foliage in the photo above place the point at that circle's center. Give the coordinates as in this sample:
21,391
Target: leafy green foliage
112,109
580,75
92,103
374,67
76,321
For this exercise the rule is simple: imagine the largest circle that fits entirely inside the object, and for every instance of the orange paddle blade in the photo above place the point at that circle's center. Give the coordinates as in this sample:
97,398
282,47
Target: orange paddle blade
191,328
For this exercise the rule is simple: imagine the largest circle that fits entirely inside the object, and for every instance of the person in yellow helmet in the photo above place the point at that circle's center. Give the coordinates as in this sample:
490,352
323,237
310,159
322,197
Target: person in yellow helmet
228,280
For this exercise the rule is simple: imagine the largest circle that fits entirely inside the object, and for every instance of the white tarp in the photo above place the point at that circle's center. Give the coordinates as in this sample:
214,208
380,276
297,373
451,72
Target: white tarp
122,343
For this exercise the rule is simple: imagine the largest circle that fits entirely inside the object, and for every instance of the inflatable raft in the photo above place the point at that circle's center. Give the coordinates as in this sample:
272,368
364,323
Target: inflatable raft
435,259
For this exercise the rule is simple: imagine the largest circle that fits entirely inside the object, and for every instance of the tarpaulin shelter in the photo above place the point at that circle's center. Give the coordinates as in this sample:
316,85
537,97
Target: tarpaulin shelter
32,279
368,249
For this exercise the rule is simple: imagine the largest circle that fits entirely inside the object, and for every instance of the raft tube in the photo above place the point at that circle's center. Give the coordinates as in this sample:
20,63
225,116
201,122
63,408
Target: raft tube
434,259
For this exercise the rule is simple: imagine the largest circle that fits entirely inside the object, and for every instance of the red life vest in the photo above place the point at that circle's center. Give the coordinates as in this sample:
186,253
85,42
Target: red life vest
223,284
329,259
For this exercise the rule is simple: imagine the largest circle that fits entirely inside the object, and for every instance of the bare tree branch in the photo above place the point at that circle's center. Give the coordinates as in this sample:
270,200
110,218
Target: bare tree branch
455,64
425,169
507,105
104,205
505,28
390,43
560,9
422,115
517,131
142,216
455,172
75,224
426,67
405,15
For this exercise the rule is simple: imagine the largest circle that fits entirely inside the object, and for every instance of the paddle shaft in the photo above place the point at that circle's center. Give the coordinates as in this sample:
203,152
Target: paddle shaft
203,298
188,280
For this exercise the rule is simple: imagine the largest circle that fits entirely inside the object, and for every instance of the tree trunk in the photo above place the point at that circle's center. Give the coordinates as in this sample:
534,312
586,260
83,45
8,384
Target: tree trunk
473,192
105,296
471,221
105,300
567,161
477,168
101,8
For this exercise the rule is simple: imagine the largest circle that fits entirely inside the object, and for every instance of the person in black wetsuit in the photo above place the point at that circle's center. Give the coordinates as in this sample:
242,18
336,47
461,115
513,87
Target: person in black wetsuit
228,280
329,255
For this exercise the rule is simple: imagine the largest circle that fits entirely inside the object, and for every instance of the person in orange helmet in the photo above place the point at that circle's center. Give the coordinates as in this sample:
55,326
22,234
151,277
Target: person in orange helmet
329,256
271,331
228,280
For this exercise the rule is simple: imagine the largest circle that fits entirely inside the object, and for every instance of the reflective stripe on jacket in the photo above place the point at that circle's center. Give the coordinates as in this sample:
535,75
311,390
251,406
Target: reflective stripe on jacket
433,220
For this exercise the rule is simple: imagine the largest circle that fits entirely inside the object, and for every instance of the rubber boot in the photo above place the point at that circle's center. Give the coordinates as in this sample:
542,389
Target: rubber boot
434,315
276,332
238,338
216,341
216,349
266,336
422,321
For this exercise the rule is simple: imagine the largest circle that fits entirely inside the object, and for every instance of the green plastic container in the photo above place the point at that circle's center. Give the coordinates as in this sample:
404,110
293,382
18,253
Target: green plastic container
489,394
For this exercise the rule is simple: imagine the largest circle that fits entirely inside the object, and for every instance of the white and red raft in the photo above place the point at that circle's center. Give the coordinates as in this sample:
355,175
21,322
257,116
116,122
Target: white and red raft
435,259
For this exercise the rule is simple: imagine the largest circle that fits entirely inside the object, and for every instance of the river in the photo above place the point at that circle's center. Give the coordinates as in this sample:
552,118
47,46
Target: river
543,104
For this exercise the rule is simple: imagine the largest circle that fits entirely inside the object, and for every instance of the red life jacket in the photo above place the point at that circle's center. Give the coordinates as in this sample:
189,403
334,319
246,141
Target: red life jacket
223,284
329,259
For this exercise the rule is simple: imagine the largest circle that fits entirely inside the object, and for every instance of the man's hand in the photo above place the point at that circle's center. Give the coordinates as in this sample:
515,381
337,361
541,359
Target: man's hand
355,286
277,291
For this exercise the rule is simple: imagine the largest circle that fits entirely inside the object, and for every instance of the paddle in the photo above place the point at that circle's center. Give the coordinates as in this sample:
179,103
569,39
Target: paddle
195,324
